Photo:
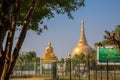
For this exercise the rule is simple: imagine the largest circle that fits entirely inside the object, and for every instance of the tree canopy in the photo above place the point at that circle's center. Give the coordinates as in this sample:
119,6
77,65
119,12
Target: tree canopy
26,15
44,9
27,57
111,38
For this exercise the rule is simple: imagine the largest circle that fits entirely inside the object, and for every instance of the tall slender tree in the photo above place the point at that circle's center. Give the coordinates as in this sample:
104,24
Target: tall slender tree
26,15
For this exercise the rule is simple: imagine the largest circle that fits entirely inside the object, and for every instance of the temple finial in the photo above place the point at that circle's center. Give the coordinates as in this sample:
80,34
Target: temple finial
82,35
82,22
49,44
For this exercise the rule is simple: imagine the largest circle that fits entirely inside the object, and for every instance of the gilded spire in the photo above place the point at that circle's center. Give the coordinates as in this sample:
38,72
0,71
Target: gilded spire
82,35
82,46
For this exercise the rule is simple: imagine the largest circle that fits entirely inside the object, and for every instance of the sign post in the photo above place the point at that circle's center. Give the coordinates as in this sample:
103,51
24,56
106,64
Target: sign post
107,54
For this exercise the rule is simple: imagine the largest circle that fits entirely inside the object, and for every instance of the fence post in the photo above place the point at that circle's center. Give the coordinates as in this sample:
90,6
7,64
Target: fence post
101,70
88,68
107,70
35,66
96,71
70,69
80,69
54,70
41,64
114,70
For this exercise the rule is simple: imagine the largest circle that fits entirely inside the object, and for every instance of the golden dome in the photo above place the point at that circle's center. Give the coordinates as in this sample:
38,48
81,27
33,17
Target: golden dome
82,46
49,55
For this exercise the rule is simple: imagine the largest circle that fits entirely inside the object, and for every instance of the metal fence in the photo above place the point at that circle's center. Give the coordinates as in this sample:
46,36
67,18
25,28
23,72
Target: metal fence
70,70
26,70
85,70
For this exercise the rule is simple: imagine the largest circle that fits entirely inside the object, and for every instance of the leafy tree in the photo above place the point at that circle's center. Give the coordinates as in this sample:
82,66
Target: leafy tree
61,60
84,59
114,37
26,60
27,57
111,38
30,56
26,15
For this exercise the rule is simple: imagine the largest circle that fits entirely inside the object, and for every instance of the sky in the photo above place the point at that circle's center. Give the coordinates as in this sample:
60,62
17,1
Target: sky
64,33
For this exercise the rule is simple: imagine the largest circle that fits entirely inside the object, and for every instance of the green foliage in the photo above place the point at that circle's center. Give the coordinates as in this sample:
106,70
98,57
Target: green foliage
117,31
113,35
46,9
79,58
61,60
27,57
82,58
26,61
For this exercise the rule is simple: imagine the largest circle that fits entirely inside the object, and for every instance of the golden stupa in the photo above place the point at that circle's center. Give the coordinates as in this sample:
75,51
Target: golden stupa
82,46
49,55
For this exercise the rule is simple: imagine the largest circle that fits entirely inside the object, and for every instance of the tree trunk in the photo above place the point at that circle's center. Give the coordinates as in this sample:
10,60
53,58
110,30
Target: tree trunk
1,62
5,21
9,41
22,36
5,56
8,49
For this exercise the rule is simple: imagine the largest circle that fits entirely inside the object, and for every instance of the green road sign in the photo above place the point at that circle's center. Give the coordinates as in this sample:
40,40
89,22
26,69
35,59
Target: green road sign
108,54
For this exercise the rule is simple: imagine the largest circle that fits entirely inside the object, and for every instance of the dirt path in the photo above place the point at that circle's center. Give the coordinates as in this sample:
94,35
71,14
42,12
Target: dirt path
29,79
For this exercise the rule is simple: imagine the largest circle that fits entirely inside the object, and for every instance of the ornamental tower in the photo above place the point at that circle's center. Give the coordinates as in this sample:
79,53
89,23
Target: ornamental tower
82,46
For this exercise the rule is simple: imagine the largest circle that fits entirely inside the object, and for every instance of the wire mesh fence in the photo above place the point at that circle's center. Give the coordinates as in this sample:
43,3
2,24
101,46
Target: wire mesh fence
69,70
